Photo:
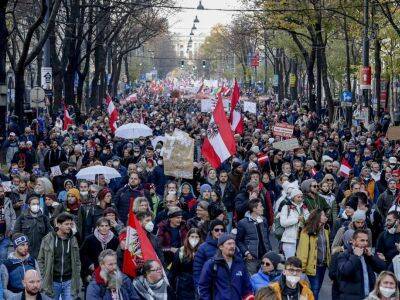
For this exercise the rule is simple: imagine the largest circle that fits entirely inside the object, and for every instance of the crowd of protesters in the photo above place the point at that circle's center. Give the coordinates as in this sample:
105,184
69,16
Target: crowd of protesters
274,229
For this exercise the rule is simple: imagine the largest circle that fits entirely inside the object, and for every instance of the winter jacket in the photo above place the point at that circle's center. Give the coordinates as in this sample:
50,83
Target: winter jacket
13,270
247,237
90,216
225,283
229,195
386,245
181,276
18,296
307,251
11,148
53,158
46,264
260,279
351,281
318,202
123,198
305,292
97,289
35,228
338,240
9,214
385,202
206,251
241,204
91,249
165,236
289,219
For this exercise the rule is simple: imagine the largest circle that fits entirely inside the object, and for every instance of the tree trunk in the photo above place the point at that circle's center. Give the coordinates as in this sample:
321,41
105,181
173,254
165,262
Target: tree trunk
116,77
378,71
349,110
20,95
3,57
325,82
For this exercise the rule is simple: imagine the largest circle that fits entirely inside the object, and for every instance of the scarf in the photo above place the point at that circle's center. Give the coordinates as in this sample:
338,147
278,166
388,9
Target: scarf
151,291
103,239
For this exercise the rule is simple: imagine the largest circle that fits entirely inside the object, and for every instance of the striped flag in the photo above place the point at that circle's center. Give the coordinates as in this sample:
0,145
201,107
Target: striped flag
345,168
112,114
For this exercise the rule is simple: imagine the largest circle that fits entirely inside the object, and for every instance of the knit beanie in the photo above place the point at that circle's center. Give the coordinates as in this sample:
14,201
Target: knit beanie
205,187
306,185
225,237
274,257
359,215
74,192
103,192
295,192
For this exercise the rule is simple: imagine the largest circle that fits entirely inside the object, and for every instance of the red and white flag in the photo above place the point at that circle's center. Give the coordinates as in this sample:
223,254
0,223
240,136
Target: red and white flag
67,119
345,168
112,114
235,117
262,159
219,144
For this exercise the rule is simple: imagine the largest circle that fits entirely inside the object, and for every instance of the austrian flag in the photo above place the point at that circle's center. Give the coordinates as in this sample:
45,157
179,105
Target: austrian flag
112,114
219,144
67,119
235,117
345,168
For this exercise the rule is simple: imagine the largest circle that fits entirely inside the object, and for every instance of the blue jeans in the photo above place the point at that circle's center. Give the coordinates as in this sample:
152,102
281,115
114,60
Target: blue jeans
316,281
62,290
4,243
229,216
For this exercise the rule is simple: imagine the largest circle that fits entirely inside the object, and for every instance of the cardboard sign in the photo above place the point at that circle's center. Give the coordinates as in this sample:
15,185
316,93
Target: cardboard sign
6,186
393,133
178,153
55,171
283,130
286,145
250,107
207,105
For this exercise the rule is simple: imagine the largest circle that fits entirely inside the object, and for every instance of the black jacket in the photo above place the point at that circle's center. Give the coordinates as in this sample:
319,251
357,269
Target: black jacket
181,276
229,195
386,245
350,273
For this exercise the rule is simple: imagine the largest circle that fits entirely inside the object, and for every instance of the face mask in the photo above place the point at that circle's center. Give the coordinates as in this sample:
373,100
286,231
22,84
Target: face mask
392,229
386,292
172,192
36,171
35,208
293,280
193,242
15,171
149,226
84,193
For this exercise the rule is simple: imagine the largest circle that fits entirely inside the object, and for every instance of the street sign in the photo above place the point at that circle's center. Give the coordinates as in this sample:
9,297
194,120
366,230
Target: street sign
347,99
37,96
47,78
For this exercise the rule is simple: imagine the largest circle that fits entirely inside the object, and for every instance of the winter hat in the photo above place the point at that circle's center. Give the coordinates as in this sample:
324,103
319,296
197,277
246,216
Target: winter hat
359,215
295,192
255,149
306,185
216,222
68,181
352,202
74,192
214,210
204,188
274,257
347,237
225,237
103,192
19,239
236,164
392,180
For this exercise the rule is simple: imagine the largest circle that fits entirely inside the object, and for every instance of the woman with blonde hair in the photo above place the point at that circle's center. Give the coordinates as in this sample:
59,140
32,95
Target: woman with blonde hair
43,187
386,287
141,204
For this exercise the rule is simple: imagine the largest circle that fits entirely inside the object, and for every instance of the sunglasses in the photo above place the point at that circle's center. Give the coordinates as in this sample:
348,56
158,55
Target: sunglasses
329,180
219,230
266,263
314,186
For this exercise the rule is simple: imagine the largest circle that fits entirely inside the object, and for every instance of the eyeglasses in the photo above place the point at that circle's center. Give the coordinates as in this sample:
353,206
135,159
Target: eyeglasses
219,229
329,180
266,263
294,271
314,186
156,270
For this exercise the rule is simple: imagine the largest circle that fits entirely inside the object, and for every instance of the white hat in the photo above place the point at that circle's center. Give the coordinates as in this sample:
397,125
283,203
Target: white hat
271,140
392,160
326,157
295,192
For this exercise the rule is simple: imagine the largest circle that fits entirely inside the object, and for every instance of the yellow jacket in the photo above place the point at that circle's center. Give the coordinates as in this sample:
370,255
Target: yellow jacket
307,251
306,293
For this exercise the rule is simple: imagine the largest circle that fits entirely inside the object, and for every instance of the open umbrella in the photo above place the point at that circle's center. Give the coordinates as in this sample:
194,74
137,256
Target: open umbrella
90,173
132,131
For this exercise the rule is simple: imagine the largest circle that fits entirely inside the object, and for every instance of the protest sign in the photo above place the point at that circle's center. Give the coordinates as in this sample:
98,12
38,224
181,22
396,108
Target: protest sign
178,152
283,130
55,171
286,145
6,186
250,107
393,133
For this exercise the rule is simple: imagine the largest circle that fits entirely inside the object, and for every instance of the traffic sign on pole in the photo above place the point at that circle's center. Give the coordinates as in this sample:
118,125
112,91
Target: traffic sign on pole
47,78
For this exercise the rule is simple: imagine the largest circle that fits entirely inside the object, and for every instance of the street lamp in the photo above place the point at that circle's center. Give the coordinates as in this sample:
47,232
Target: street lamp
196,20
191,32
190,40
194,27
200,6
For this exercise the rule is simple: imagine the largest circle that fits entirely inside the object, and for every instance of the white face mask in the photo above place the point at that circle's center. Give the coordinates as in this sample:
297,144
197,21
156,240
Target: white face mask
386,292
293,280
84,193
193,242
393,229
149,226
35,208
172,192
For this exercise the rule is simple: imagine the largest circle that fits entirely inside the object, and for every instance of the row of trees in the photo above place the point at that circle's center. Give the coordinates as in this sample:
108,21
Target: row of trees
89,43
319,40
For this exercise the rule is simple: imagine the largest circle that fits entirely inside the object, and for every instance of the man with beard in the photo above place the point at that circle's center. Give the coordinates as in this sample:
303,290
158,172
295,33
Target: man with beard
32,285
54,156
108,281
327,169
225,276
18,262
152,284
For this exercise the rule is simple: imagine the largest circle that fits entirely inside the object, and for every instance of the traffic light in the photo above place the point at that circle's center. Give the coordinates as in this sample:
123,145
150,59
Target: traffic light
182,63
204,63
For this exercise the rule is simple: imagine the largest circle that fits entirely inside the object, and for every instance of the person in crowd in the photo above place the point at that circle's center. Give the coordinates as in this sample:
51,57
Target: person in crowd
201,220
172,233
108,281
73,203
225,188
52,208
387,240
357,267
252,236
312,199
43,187
386,287
387,198
207,249
181,272
141,204
34,224
54,156
292,218
314,249
290,285
7,222
268,271
16,265
59,260
152,284
32,283
111,215
217,280
101,239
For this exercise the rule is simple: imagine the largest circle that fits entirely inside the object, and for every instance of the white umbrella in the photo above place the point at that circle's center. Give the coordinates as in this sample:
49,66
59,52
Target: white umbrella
90,173
132,131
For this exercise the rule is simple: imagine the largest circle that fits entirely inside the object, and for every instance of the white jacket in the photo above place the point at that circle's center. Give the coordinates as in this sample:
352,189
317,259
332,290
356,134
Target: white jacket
289,219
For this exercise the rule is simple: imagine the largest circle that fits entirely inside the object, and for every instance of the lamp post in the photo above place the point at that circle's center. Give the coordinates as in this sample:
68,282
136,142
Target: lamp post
200,6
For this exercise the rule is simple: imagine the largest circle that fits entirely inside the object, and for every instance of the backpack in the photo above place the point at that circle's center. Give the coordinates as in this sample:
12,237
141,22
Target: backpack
277,228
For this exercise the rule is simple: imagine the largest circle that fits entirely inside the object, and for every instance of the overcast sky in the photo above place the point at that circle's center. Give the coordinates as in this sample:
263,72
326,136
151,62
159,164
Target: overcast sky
182,22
